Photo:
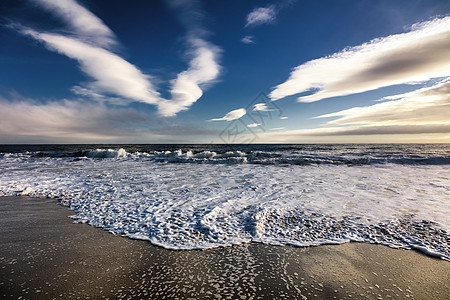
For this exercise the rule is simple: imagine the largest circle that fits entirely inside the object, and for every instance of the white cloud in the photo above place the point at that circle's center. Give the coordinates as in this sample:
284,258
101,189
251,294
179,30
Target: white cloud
426,106
111,73
89,93
277,128
187,87
81,21
359,130
232,115
262,107
23,121
415,56
421,112
248,39
283,118
261,15
253,125
65,121
204,67
90,41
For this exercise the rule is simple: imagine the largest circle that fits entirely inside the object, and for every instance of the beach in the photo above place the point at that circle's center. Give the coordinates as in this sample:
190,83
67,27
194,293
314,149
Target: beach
44,255
225,150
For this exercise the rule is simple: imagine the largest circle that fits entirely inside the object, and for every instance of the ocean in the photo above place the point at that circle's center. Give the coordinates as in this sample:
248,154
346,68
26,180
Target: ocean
207,196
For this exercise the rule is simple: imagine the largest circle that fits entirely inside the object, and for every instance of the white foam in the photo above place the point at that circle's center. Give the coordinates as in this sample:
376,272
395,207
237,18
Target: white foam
107,153
197,206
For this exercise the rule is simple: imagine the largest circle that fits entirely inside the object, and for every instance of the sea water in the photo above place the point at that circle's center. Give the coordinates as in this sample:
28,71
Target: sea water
204,196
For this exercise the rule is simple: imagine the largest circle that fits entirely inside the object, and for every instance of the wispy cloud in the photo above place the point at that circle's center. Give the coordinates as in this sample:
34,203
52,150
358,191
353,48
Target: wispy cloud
262,107
90,94
429,105
204,67
357,130
248,39
232,115
187,87
111,73
64,121
415,56
261,15
423,111
79,121
253,125
91,42
82,22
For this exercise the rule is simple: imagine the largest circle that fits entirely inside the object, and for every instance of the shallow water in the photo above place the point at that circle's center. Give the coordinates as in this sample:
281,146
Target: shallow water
205,196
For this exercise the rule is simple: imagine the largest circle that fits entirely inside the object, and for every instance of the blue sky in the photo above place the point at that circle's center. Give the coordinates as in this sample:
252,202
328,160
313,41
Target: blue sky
183,71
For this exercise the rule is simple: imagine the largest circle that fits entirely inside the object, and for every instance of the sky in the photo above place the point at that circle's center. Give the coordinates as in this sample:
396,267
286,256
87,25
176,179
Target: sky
256,71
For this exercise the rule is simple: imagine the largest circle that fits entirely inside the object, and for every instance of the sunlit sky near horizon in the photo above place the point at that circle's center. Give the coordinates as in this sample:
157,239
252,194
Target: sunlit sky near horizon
354,71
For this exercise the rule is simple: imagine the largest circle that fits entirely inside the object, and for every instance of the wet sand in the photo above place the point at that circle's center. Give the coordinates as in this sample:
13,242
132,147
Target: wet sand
44,255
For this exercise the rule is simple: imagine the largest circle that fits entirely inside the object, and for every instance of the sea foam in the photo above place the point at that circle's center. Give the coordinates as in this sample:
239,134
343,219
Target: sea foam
202,198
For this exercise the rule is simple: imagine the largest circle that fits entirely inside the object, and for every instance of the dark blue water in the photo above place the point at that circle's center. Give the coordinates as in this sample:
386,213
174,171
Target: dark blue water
304,154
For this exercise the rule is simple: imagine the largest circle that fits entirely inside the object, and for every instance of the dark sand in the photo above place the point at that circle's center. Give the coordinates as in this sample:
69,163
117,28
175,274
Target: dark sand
43,255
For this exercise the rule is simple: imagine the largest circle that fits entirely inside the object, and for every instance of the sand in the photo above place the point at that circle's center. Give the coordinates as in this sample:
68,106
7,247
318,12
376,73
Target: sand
44,255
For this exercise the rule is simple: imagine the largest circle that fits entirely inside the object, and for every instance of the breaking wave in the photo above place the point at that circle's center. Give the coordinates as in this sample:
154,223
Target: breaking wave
199,197
255,155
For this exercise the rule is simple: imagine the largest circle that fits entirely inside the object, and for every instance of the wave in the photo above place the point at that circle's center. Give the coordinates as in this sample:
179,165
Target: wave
244,157
199,205
179,230
107,153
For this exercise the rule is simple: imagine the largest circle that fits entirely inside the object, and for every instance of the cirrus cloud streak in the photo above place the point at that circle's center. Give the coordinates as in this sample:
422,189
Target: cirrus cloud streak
90,42
423,111
187,87
361,134
430,105
82,22
415,56
111,73
79,121
232,115
62,121
261,15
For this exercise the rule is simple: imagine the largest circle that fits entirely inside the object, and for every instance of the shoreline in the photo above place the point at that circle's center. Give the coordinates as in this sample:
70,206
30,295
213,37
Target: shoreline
43,254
